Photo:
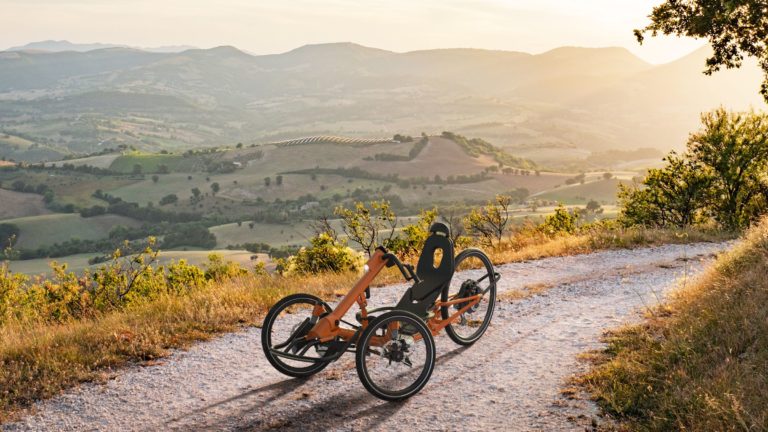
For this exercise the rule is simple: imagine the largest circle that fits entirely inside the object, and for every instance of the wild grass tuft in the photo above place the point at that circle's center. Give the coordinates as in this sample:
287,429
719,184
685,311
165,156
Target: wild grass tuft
699,362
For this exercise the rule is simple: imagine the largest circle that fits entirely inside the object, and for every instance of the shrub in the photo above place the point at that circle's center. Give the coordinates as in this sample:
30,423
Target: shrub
217,269
560,222
323,255
411,239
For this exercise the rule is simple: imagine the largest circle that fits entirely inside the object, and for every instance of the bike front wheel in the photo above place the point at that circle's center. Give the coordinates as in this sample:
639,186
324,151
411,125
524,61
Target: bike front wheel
395,356
283,331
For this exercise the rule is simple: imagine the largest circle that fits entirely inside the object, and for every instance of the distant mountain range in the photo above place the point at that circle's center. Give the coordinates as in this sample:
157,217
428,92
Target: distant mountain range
552,107
63,45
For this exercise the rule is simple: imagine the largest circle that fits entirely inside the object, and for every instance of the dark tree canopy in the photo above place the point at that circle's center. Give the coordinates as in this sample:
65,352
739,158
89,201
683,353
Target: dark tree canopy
735,28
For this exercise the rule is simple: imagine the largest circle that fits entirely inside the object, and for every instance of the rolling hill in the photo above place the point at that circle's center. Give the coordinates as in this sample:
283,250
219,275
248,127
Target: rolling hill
553,107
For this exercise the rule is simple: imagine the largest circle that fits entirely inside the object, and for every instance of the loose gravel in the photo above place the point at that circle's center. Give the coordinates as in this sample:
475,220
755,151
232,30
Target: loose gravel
512,379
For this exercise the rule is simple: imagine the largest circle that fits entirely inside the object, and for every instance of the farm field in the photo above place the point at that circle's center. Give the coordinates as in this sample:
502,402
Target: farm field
16,204
239,189
603,191
100,161
275,235
37,231
150,162
79,262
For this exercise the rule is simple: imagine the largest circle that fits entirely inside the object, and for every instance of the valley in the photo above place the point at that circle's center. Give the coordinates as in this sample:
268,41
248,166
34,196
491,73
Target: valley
270,194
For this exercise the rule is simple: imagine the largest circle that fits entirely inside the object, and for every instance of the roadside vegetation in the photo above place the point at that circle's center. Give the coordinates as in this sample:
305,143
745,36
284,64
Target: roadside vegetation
70,328
697,362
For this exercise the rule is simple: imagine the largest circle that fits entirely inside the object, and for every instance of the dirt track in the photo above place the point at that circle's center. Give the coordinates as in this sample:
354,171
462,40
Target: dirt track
512,379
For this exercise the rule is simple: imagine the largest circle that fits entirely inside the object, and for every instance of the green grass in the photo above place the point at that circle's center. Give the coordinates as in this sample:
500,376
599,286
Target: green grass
37,231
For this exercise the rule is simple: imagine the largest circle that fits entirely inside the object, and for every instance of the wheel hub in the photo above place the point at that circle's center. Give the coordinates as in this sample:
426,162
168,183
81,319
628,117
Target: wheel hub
397,351
468,288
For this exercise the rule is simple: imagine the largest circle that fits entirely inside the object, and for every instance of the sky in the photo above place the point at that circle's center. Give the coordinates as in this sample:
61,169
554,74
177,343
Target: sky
273,26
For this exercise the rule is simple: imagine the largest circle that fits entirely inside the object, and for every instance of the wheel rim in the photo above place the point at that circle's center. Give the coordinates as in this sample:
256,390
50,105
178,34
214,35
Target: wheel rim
284,331
476,277
400,366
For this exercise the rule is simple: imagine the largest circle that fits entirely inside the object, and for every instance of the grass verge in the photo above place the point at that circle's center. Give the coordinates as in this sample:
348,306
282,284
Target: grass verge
699,362
38,361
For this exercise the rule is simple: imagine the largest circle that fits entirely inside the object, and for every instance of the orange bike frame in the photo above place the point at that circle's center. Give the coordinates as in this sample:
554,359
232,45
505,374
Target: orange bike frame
327,328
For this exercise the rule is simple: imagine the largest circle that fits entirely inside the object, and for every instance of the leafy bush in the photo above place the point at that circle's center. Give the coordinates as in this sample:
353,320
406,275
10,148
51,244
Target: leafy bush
560,222
119,283
217,269
412,237
325,254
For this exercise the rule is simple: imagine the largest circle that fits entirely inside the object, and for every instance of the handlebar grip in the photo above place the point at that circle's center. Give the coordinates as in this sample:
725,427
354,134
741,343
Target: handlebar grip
405,269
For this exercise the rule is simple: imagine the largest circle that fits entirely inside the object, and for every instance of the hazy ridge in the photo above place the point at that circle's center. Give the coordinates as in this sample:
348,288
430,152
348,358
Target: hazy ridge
562,104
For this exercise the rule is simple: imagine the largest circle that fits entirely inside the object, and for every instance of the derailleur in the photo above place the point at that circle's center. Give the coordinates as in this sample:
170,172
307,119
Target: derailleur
468,288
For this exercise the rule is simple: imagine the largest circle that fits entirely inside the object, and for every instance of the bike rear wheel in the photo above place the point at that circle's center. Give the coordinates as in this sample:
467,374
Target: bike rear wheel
475,275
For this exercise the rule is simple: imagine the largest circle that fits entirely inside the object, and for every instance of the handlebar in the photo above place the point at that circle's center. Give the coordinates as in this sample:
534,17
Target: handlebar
405,269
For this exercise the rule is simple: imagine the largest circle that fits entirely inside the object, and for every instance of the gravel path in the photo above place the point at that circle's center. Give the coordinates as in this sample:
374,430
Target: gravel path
512,379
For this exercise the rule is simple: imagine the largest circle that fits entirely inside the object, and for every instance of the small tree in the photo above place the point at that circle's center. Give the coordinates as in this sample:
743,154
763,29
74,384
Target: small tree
670,196
267,181
215,187
322,225
560,222
489,223
279,180
733,149
593,207
368,226
155,178
607,176
454,219
196,195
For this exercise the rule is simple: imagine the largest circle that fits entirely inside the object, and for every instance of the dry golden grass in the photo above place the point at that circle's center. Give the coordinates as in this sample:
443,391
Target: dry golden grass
39,361
533,245
700,362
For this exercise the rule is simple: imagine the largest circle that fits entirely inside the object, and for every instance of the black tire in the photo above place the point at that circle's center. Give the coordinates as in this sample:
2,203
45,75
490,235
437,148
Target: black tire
412,325
280,363
485,280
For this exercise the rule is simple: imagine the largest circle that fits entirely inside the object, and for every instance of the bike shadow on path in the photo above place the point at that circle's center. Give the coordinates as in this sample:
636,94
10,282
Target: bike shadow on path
357,409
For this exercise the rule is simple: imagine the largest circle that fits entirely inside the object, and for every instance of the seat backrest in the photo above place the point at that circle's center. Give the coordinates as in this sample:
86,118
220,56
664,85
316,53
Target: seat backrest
435,267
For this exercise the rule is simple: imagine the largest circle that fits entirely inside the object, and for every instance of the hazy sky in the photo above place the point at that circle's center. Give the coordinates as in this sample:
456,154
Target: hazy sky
270,26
